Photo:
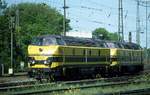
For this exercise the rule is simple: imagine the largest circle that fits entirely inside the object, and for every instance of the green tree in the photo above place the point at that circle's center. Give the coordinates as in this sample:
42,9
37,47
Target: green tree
113,36
4,45
34,20
102,33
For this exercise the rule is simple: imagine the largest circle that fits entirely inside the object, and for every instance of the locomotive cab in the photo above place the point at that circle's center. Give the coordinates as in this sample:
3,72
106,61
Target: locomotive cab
41,54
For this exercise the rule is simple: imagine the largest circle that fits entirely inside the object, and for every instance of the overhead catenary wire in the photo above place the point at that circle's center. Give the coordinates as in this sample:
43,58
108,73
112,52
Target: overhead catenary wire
94,9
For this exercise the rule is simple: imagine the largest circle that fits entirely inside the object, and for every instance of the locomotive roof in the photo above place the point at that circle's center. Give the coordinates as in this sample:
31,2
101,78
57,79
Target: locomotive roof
128,45
78,41
47,36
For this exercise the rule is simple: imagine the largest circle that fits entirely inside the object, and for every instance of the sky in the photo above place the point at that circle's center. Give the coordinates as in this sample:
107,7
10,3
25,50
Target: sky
87,15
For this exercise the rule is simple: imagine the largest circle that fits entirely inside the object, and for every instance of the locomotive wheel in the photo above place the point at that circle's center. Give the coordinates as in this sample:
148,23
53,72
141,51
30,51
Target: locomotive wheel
114,71
72,73
98,76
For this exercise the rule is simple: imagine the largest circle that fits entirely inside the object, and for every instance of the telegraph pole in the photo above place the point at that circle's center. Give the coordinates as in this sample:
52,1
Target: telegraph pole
146,32
120,21
138,24
64,19
17,20
146,23
11,71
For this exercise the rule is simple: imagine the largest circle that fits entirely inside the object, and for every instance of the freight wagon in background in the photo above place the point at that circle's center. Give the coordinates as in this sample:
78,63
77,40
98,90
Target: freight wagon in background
60,57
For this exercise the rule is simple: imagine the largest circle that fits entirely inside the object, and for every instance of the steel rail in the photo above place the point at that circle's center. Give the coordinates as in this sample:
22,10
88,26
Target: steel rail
27,84
143,91
78,87
30,84
15,74
16,83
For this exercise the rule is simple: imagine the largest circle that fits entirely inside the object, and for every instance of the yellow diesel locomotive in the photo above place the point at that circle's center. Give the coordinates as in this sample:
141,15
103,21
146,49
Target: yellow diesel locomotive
53,56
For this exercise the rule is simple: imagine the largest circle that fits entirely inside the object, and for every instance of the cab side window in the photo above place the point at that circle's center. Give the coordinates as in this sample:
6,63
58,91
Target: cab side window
47,41
60,41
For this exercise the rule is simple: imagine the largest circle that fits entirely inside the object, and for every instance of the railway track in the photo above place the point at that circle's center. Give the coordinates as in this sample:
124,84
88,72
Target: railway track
32,83
144,91
23,85
66,87
15,74
16,77
17,83
55,84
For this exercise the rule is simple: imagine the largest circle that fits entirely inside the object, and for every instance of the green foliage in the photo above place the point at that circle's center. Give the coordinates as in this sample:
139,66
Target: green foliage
102,33
4,41
34,20
113,36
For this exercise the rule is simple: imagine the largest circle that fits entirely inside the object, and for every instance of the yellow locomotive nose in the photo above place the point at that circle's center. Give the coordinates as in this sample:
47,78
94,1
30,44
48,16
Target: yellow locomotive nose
42,52
42,56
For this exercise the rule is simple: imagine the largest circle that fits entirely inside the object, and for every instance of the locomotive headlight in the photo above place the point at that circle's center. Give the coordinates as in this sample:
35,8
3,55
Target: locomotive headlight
33,62
45,62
